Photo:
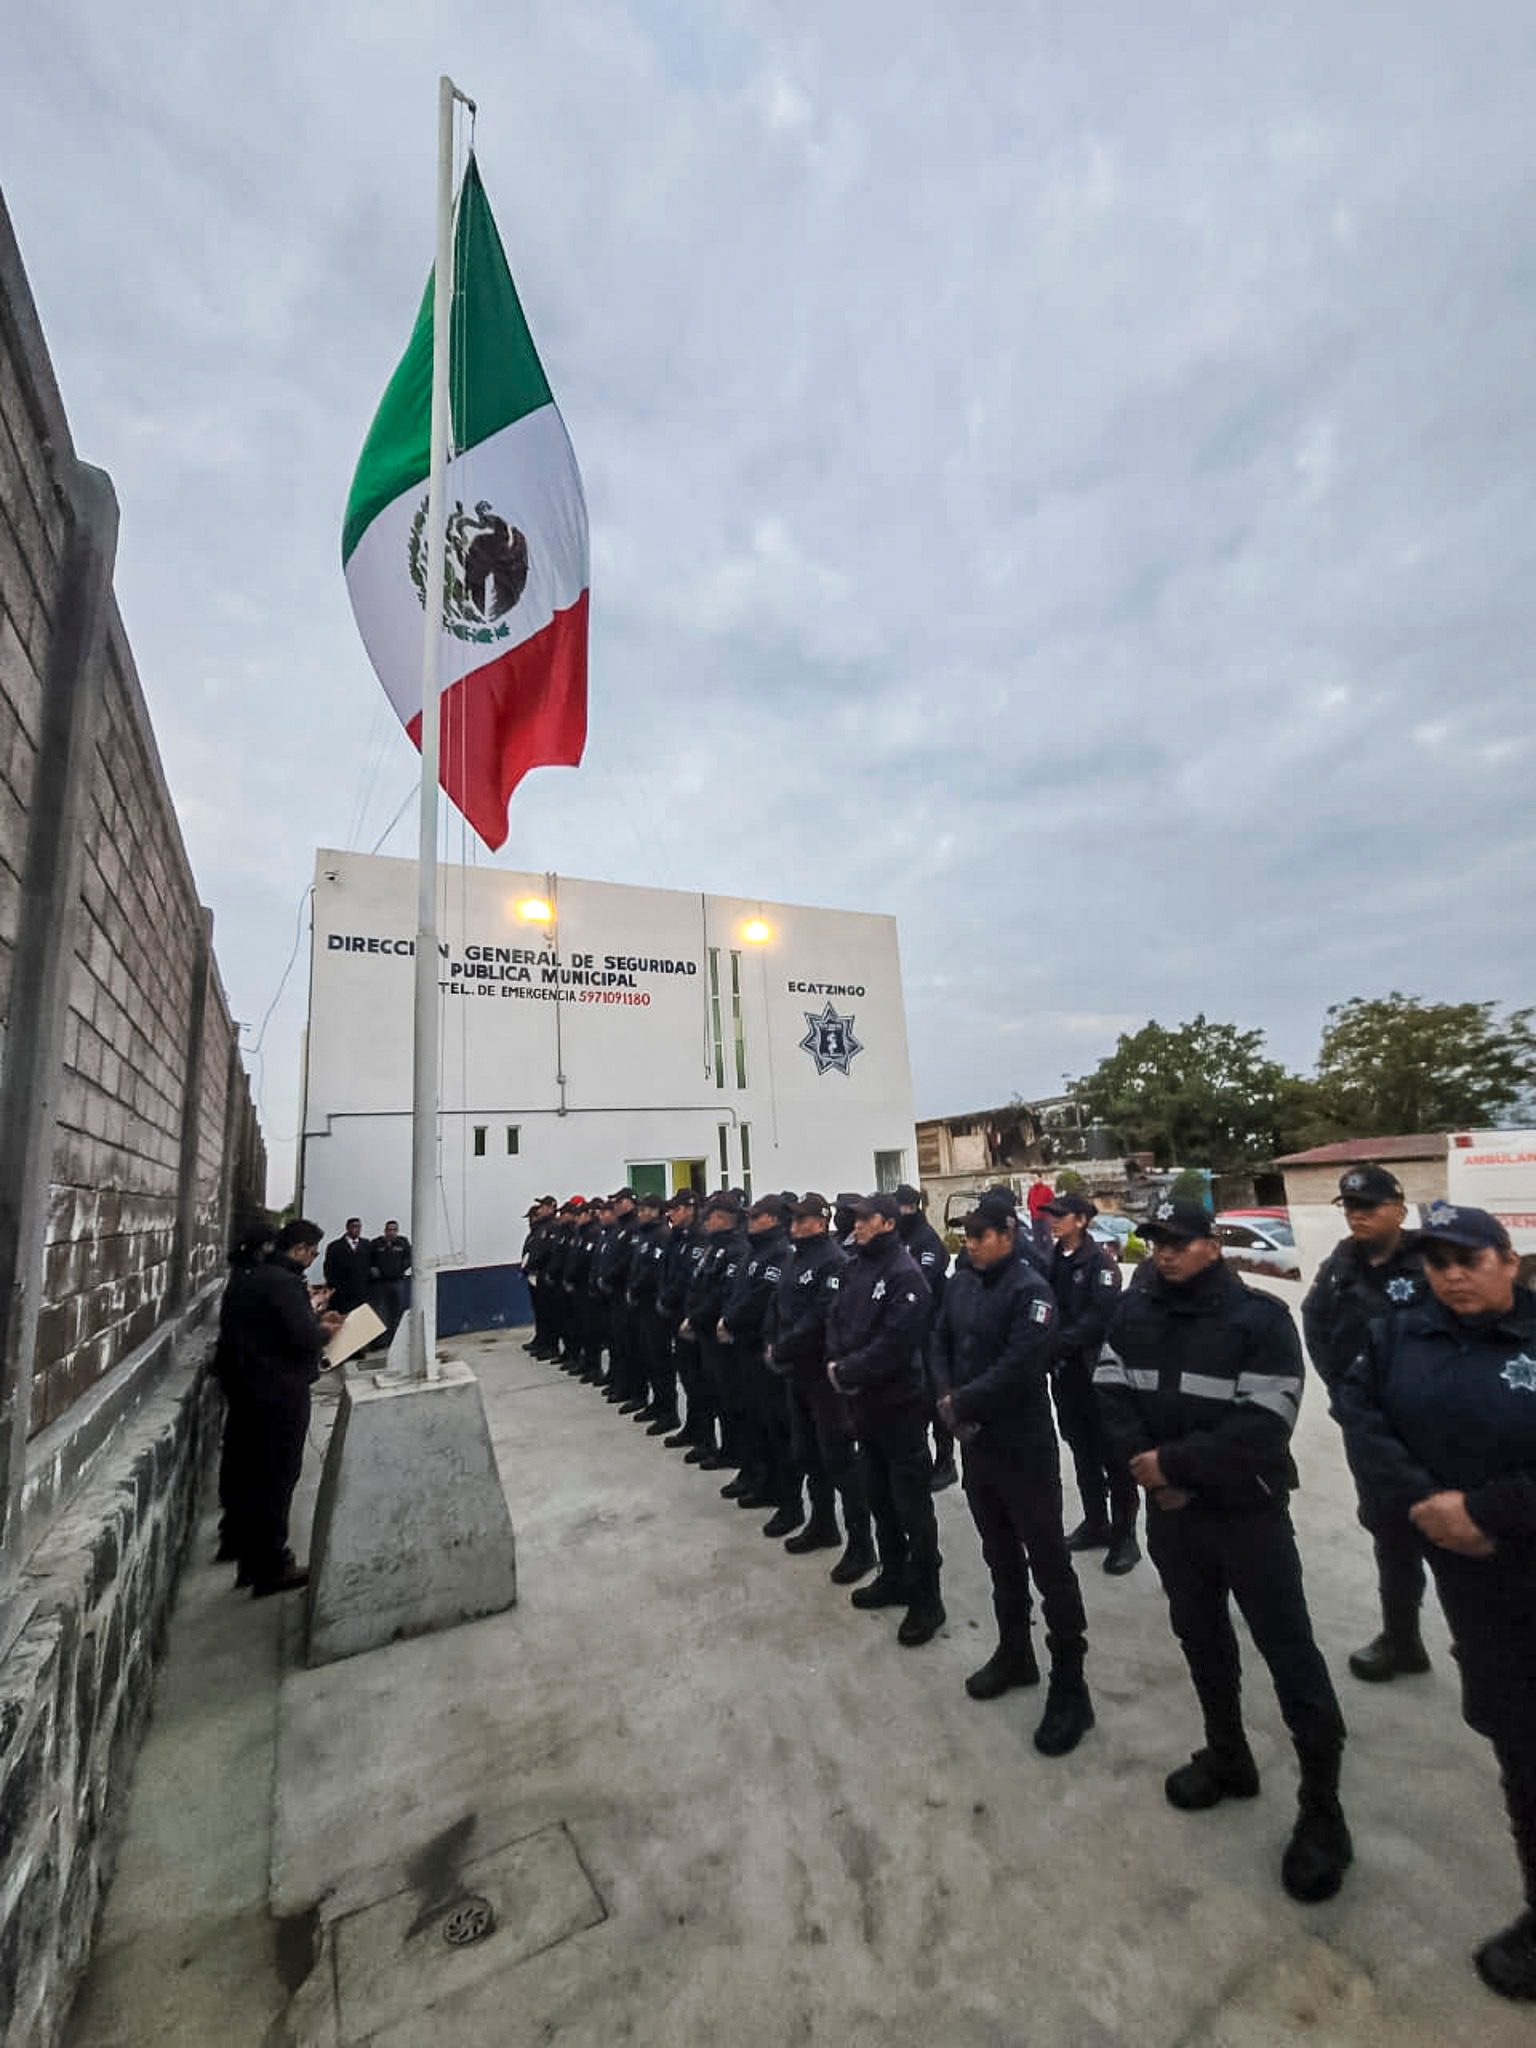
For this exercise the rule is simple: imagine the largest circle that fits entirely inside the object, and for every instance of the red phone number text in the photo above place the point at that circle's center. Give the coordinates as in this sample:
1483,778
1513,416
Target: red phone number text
637,997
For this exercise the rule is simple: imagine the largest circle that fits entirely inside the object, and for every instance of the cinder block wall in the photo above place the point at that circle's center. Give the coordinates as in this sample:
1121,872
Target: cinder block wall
153,1157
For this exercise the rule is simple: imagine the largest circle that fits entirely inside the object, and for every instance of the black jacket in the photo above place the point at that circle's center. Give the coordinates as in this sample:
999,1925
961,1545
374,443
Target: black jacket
391,1257
1349,1293
347,1273
929,1254
994,1344
685,1248
1086,1284
797,1314
276,1340
754,1283
1434,1404
704,1297
877,1323
610,1261
647,1258
538,1247
1208,1375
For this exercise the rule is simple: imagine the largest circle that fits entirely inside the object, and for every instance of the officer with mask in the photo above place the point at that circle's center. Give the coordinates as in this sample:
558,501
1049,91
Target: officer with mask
703,1300
651,1339
1439,1417
931,1257
765,1479
994,1346
590,1323
626,1368
875,1335
1376,1271
821,1419
1085,1280
1200,1385
684,1248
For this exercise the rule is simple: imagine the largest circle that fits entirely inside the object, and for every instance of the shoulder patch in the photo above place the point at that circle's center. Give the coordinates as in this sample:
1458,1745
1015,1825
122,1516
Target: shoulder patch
1039,1311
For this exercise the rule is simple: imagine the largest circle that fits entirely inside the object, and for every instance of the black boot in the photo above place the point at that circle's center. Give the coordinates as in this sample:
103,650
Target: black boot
1068,1711
1396,1655
716,1461
1209,1777
733,1489
680,1439
785,1522
1010,1664
1123,1555
856,1562
288,1580
817,1534
944,1474
662,1425
1507,1963
1319,1851
1089,1535
923,1619
882,1591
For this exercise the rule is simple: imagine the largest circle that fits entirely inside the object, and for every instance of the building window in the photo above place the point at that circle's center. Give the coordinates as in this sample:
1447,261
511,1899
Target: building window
511,1141
890,1171
716,1040
738,1025
746,1155
646,1176
480,1141
725,1155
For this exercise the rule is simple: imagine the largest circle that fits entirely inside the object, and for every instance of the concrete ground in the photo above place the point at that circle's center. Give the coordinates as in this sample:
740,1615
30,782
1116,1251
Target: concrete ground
707,1801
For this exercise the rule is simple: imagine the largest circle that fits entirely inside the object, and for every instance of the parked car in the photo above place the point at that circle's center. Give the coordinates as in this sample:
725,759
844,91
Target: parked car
1257,1241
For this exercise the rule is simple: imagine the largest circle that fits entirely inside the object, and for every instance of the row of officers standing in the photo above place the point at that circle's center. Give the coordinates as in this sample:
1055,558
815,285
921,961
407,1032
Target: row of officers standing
808,1350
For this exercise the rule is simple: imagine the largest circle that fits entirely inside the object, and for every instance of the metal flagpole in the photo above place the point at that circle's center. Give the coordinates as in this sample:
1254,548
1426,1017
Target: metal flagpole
417,1358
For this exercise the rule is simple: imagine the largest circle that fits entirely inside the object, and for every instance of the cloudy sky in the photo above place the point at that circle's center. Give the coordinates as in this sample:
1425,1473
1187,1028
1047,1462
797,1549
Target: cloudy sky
1064,473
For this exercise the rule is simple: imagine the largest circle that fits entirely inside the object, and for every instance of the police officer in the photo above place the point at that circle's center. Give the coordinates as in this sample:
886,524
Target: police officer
1200,1385
995,1342
538,1246
1376,1271
590,1322
765,1479
931,1257
277,1339
875,1332
820,1419
649,1335
685,1247
562,1301
724,1239
251,1249
1439,1416
626,1374
1085,1280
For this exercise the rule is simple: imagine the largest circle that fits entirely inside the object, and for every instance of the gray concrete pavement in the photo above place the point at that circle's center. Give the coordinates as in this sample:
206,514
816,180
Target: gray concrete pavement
709,1801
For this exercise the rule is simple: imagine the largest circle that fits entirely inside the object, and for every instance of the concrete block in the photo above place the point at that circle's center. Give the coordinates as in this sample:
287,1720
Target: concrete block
412,1531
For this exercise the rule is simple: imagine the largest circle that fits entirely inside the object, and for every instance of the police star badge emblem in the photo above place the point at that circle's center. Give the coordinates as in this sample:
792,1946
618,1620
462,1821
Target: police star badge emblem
1401,1289
830,1041
1520,1373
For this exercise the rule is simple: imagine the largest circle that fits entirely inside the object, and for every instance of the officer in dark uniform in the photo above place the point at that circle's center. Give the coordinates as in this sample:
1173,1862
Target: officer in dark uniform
685,1247
1376,1271
592,1329
251,1249
1439,1417
994,1347
274,1359
1085,1279
649,1335
562,1300
875,1332
1200,1384
823,1447
626,1377
765,1479
348,1267
537,1247
931,1257
724,1241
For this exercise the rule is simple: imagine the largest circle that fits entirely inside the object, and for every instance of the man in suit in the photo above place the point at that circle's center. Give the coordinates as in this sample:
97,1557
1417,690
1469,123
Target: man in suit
349,1268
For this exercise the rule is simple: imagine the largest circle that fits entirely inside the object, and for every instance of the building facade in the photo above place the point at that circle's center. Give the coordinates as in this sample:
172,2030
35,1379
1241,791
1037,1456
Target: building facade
595,1035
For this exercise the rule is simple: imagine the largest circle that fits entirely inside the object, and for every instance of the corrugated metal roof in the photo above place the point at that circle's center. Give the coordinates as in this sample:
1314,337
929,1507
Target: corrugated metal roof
1351,1151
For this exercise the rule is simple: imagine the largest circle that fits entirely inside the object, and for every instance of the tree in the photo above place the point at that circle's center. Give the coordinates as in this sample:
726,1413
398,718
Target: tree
1199,1094
1070,1182
1393,1065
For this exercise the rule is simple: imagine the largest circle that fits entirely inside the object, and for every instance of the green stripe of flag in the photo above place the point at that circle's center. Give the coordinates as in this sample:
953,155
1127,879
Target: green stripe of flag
496,376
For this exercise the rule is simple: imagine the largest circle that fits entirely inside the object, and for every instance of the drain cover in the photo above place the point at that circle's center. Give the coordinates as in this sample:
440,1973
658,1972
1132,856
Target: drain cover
471,1920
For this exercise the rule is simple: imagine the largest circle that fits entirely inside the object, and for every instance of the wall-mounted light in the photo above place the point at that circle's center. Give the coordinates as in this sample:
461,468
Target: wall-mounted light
755,932
536,910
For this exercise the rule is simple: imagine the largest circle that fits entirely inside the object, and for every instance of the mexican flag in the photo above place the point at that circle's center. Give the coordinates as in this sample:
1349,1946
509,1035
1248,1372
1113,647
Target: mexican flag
514,638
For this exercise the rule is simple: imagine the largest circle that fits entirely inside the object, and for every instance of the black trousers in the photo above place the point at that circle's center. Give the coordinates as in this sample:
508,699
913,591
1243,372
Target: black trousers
538,1301
898,1482
1399,1578
655,1336
270,1436
824,1449
719,1362
770,1440
594,1333
1015,1500
943,1437
1207,1558
1490,1606
1104,1485
691,1371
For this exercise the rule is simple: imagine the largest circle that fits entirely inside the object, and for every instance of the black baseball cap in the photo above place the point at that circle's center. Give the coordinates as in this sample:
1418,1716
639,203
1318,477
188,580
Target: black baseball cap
683,1198
533,1209
1476,1230
650,1201
812,1204
726,1201
909,1197
622,1195
865,1206
996,1209
770,1205
1072,1205
1364,1186
1170,1218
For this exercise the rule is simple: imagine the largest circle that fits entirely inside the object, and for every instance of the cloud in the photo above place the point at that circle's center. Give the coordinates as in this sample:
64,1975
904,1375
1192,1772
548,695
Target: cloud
1065,479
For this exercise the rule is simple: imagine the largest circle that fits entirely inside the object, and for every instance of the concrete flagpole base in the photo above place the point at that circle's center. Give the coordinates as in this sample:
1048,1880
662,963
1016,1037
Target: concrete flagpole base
412,1531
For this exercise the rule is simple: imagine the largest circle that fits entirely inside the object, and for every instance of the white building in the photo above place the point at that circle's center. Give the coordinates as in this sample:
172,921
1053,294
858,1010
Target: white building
595,1035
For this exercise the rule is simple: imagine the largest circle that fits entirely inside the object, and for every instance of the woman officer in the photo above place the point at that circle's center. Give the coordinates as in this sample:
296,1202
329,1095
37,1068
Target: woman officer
1439,1416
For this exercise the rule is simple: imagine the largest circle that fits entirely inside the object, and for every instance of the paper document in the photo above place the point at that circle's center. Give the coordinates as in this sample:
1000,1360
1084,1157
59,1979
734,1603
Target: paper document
360,1328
